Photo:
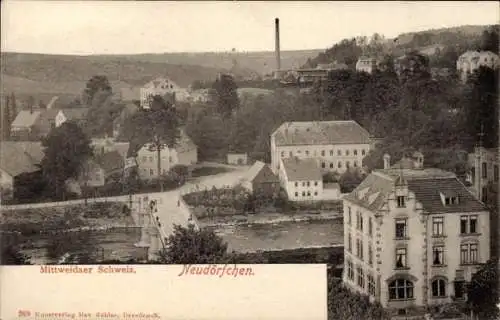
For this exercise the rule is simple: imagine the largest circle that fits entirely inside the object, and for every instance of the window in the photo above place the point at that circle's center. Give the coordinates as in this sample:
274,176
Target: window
400,289
296,194
151,172
150,159
347,152
439,288
350,270
459,289
282,154
315,193
349,216
484,194
339,153
371,285
303,193
308,193
355,164
361,277
331,165
370,226
144,159
401,226
468,224
401,258
349,242
303,184
290,154
296,184
355,152
484,170
307,152
437,226
347,164
359,221
169,159
370,255
331,153
401,202
495,172
438,255
468,253
315,183
308,183
363,152
361,250
323,165
322,153
339,164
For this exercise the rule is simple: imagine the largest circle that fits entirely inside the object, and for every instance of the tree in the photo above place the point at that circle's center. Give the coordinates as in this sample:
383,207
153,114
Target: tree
65,150
158,127
226,95
11,255
13,107
490,40
482,292
350,180
94,85
6,119
347,305
191,246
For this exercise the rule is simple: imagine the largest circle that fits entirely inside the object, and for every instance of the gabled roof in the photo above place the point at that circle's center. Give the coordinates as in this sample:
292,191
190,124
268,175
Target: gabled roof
426,184
257,168
18,157
75,114
320,133
301,169
25,119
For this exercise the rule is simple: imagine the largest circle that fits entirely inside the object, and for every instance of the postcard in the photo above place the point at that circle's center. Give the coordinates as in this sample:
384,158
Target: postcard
249,160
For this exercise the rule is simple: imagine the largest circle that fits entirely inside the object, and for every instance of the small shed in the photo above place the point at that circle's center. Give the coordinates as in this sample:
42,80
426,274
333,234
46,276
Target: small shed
260,179
237,158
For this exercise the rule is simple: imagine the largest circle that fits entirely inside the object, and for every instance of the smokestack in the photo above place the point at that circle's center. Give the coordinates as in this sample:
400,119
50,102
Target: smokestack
277,44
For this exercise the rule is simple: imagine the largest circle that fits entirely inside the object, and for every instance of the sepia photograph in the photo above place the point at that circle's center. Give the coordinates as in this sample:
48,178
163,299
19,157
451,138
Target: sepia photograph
221,137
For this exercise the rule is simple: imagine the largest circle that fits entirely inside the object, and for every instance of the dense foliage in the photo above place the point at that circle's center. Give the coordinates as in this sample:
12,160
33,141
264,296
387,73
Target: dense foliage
66,149
483,291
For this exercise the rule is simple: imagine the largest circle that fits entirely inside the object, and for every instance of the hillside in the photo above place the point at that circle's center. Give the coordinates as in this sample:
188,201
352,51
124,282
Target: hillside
258,62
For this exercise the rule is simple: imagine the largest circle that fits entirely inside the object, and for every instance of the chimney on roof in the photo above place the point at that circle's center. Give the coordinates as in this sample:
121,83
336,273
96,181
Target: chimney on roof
387,161
277,46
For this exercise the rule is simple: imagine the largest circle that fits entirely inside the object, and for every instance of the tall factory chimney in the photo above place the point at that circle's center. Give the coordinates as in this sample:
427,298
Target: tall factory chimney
277,46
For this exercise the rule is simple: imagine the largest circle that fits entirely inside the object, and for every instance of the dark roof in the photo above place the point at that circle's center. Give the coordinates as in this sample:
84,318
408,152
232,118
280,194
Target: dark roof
20,157
321,132
256,169
75,113
426,184
301,169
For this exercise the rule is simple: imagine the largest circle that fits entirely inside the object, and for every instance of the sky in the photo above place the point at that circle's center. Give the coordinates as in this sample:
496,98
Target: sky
115,27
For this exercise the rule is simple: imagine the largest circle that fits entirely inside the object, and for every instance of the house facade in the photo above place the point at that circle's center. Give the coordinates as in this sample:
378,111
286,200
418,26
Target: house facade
366,64
484,171
301,178
162,87
184,153
261,180
470,61
237,158
413,238
336,146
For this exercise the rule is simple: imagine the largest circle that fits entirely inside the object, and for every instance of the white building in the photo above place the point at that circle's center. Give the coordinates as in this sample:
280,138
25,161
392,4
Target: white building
365,64
185,153
335,145
470,61
301,178
413,238
162,87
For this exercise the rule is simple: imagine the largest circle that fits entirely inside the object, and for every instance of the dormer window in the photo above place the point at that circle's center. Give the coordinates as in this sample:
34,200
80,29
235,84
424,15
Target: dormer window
401,202
449,198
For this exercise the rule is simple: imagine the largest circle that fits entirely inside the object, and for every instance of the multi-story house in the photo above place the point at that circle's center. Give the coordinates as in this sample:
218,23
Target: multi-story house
470,61
184,153
161,87
484,171
413,237
366,64
335,145
301,178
